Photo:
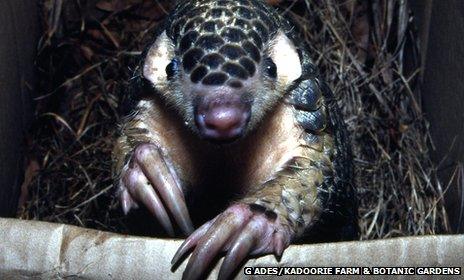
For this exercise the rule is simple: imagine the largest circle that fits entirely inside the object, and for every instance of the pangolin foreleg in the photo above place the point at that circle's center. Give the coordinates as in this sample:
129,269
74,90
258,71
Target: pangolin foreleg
146,175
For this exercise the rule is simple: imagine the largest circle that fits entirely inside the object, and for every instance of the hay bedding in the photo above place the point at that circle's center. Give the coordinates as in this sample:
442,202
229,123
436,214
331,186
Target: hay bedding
365,49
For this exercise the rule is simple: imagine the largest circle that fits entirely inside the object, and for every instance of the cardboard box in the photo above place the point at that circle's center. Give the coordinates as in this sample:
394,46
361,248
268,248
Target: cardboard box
441,25
18,42
38,250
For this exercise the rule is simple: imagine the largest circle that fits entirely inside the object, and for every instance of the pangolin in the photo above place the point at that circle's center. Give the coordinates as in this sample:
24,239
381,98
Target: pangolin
230,130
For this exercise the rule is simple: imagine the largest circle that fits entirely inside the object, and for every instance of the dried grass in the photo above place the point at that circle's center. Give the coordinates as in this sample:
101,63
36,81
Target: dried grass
365,49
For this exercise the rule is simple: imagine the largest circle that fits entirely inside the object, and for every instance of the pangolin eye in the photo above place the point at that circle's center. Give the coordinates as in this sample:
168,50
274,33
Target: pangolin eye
270,68
172,68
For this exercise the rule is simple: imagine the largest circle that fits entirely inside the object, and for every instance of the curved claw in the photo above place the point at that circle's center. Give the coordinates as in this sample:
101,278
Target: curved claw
126,201
210,245
139,187
155,168
241,247
279,244
241,230
191,242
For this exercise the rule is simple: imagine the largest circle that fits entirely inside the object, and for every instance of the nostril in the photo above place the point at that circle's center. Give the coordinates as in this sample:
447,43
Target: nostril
224,119
221,117
222,122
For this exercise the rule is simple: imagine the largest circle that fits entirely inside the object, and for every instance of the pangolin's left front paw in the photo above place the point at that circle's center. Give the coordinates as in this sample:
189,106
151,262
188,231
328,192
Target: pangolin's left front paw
242,230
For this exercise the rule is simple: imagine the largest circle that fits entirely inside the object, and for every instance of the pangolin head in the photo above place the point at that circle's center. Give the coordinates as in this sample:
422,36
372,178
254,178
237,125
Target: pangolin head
222,64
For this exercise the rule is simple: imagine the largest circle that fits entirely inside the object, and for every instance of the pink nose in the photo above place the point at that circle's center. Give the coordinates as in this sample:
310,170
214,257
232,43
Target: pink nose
224,119
222,122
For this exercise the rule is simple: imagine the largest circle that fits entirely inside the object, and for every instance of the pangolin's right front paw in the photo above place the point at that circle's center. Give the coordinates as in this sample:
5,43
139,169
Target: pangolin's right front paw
149,180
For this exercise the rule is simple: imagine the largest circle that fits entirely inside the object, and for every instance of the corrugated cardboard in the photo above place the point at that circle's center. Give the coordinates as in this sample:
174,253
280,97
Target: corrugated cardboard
39,250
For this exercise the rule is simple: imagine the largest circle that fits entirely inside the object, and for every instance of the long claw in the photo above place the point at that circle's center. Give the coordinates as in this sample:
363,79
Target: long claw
156,170
210,245
237,253
190,242
144,192
126,201
173,173
279,245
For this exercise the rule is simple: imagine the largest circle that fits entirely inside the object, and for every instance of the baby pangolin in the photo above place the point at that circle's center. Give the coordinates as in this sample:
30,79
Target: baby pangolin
229,125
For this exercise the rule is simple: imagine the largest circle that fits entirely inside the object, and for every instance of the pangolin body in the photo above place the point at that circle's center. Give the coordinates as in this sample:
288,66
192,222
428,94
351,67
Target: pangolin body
229,123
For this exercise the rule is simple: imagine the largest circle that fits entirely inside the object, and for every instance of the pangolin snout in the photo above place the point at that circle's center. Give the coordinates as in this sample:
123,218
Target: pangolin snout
222,119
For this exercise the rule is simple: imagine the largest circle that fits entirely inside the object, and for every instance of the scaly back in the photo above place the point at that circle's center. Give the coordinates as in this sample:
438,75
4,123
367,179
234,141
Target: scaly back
221,42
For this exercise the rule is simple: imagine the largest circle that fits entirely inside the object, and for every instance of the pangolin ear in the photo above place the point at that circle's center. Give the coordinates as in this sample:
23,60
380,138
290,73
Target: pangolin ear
285,56
158,57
